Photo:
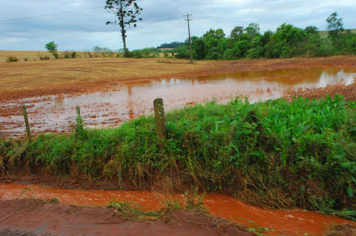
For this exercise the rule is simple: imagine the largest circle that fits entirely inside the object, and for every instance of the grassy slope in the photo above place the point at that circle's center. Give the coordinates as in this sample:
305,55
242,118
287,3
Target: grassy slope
273,154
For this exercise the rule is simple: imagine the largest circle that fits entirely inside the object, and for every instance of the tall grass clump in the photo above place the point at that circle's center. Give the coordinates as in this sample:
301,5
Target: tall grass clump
276,153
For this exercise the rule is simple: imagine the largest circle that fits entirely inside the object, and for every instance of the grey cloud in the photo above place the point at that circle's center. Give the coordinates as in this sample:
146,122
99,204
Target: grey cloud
162,20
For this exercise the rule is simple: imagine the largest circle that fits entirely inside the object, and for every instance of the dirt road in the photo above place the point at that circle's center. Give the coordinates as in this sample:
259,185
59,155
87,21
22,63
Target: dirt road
34,217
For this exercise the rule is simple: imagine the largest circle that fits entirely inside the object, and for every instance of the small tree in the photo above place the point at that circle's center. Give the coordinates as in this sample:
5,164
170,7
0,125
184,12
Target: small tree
52,48
335,27
126,12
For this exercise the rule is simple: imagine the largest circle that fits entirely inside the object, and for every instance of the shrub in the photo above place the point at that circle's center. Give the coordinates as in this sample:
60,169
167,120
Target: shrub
11,59
45,57
69,54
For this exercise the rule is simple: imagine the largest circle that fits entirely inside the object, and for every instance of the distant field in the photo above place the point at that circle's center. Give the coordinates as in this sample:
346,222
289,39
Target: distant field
21,55
324,33
33,78
35,55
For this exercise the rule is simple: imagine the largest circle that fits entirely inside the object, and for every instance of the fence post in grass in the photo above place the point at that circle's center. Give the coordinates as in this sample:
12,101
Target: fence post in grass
78,127
160,122
26,123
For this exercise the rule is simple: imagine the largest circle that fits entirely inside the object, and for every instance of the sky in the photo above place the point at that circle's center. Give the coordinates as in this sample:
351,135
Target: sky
80,24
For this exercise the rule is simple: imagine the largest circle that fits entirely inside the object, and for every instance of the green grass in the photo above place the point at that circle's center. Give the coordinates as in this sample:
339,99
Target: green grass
275,154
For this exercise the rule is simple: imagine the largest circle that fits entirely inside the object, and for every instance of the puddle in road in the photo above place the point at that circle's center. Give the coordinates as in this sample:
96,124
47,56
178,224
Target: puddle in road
110,108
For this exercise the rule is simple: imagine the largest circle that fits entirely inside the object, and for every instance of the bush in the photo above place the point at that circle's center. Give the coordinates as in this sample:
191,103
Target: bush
69,54
11,59
45,57
145,53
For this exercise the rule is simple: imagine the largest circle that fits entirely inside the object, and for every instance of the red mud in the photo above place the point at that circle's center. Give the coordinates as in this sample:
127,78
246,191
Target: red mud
290,222
40,218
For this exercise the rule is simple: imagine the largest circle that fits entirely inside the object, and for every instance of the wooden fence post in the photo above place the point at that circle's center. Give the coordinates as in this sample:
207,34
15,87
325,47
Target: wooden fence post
160,122
26,123
78,111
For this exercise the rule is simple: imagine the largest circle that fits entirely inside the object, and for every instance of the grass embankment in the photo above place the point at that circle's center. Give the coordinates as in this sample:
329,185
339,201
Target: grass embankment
274,154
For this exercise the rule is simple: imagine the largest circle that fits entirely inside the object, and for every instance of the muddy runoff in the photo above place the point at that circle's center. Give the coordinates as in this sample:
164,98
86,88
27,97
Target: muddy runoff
53,114
290,222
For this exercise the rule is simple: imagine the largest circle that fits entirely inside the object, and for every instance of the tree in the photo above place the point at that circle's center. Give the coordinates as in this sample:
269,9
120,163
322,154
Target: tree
335,28
126,12
52,48
199,47
253,29
215,43
311,30
334,23
236,33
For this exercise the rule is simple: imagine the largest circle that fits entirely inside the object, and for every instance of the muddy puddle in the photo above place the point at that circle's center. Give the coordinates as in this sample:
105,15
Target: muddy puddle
109,108
290,222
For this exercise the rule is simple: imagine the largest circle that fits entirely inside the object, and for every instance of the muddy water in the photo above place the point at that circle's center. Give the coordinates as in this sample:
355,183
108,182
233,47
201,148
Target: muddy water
110,108
291,222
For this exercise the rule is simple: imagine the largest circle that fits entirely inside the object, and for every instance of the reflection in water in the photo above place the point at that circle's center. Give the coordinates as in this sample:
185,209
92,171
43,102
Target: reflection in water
110,108
291,222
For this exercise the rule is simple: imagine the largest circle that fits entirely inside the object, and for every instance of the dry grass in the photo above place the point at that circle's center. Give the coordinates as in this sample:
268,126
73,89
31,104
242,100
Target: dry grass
30,55
84,74
34,78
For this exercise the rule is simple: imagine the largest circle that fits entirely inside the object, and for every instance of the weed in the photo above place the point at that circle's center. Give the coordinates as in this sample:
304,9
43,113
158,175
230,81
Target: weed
54,200
130,211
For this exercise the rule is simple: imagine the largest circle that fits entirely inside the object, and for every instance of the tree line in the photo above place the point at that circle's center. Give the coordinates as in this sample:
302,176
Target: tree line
288,41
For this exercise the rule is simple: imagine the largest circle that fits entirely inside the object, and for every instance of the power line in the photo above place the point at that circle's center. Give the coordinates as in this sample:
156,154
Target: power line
59,13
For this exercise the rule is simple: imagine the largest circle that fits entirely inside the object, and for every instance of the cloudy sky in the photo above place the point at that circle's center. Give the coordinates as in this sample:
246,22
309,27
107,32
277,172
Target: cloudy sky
80,24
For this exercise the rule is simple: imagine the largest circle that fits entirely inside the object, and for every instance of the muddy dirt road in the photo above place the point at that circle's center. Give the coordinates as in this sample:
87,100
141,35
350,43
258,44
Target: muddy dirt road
289,222
33,217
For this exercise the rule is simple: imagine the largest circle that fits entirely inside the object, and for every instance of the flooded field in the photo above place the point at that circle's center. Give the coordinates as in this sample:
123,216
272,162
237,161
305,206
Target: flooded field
109,108
290,222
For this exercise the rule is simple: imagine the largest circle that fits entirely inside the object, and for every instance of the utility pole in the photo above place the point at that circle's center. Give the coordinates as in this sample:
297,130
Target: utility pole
190,41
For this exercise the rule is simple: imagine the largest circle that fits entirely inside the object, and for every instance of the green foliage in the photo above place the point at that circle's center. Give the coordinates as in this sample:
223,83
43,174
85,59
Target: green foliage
133,211
199,47
103,52
183,53
174,44
288,41
11,59
275,153
52,48
145,53
69,54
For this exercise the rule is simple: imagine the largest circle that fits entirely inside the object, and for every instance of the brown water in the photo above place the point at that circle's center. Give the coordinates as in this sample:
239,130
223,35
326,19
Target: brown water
110,108
290,222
